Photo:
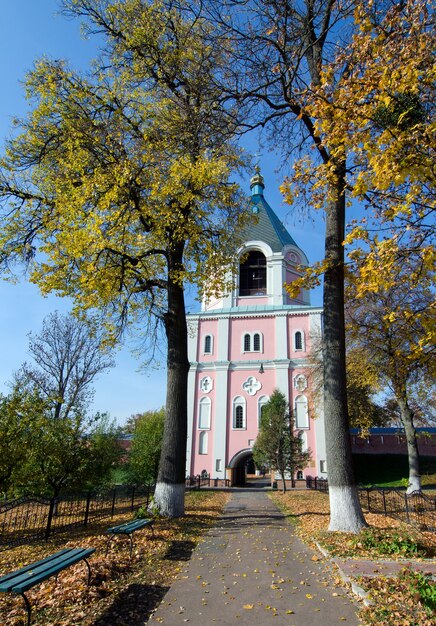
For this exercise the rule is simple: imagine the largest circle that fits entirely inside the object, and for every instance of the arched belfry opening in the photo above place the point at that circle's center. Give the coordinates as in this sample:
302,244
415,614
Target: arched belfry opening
252,274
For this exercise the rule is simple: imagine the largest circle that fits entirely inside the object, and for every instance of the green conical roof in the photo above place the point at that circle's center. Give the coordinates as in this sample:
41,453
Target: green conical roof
268,228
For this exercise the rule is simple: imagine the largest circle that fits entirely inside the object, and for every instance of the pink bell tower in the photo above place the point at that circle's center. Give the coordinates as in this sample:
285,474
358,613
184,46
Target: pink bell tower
247,343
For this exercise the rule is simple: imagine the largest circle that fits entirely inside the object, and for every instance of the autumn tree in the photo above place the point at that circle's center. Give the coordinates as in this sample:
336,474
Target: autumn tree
116,190
283,50
363,386
395,327
277,444
311,73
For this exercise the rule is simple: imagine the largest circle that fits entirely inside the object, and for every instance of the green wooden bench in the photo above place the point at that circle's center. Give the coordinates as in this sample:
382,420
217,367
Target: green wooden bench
27,577
128,529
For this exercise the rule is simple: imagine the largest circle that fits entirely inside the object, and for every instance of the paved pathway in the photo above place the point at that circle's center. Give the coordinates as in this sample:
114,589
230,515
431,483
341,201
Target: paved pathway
252,569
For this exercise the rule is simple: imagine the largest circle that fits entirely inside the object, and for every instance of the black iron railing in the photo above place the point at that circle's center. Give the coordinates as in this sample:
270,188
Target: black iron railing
417,508
30,517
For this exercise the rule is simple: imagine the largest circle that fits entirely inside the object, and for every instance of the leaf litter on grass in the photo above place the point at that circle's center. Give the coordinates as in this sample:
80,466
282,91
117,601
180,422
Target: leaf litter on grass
123,589
396,601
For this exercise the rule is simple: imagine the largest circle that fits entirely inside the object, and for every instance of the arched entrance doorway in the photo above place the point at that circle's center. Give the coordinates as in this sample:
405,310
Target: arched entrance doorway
239,465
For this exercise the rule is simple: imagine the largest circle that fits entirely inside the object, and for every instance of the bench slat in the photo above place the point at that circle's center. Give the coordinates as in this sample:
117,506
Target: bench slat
130,527
4,579
29,576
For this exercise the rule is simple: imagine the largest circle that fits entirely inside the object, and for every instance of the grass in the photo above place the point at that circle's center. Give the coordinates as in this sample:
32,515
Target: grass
406,600
123,590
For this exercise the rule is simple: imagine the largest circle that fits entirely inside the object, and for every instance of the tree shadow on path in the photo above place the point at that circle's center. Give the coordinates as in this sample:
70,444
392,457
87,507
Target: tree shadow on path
134,606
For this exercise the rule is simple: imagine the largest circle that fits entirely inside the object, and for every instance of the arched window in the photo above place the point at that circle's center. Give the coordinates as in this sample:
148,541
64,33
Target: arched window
262,402
303,438
252,274
300,475
207,344
239,417
204,414
252,342
299,340
202,442
301,412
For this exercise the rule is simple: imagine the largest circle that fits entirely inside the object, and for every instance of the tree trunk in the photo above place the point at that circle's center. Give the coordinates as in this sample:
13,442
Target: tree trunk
412,445
345,510
283,482
169,496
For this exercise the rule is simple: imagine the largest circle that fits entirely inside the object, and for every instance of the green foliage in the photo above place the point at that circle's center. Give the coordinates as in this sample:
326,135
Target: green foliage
44,455
47,441
143,463
403,111
385,542
141,513
18,412
423,588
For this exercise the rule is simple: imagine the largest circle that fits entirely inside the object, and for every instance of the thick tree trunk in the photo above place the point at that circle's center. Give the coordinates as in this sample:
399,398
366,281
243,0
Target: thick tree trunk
412,445
169,496
345,510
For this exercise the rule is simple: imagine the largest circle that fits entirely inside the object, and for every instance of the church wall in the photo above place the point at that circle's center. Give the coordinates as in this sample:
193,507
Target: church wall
207,327
299,323
240,326
239,439
251,301
202,462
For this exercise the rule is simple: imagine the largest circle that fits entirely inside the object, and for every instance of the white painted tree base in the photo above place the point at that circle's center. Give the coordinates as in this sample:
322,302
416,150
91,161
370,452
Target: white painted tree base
414,484
345,510
169,499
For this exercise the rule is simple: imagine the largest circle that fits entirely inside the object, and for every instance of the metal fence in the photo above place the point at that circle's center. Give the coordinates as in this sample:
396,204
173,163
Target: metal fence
29,517
417,508
196,482
318,484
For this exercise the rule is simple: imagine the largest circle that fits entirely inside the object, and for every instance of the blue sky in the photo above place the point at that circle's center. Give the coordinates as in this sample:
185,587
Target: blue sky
30,29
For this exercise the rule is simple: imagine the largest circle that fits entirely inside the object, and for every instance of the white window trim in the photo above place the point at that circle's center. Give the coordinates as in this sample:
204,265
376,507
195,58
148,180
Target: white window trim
303,340
203,442
211,343
297,425
204,401
303,437
251,335
239,401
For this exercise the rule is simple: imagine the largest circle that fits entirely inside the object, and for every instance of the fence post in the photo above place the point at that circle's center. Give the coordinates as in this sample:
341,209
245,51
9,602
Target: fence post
132,506
50,517
113,501
384,502
407,508
88,502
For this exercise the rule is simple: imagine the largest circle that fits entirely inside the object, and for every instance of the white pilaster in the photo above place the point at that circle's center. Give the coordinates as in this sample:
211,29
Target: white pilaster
192,392
281,335
193,324
223,339
282,378
220,419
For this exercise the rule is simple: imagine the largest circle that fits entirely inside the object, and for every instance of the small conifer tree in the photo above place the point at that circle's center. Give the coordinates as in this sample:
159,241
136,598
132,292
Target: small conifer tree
277,444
